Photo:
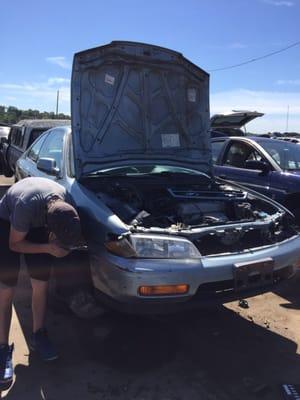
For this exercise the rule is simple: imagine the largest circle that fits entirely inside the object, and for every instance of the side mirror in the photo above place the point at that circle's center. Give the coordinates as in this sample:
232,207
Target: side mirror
3,140
48,165
257,165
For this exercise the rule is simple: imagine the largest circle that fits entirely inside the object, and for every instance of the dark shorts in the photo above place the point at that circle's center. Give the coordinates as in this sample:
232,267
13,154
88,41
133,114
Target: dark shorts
38,265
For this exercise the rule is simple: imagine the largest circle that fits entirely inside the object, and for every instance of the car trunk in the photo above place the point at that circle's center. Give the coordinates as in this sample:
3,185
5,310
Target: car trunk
235,120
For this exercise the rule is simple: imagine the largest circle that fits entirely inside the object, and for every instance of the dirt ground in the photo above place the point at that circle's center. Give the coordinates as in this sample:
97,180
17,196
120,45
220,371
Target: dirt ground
223,354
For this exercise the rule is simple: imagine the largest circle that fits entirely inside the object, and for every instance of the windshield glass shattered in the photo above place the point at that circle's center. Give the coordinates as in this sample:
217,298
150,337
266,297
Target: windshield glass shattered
286,155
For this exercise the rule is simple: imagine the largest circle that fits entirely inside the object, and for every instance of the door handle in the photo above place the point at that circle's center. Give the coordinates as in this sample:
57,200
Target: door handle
223,176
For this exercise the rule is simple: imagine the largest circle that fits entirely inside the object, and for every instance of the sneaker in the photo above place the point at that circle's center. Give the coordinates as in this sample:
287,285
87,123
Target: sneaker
43,346
6,366
83,305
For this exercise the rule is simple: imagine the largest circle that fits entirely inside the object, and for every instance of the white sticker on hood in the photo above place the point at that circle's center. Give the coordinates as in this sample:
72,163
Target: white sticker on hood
192,95
109,79
170,140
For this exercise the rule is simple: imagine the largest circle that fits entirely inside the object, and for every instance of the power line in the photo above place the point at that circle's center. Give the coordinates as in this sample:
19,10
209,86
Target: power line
257,58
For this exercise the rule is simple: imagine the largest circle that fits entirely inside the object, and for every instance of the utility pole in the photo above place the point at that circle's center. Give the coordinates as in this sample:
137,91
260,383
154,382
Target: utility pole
287,118
57,99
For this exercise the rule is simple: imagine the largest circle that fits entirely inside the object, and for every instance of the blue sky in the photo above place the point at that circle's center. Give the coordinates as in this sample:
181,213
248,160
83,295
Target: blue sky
39,38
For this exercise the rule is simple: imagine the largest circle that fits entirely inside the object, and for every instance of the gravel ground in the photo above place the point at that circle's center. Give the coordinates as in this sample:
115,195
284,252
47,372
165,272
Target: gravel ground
223,354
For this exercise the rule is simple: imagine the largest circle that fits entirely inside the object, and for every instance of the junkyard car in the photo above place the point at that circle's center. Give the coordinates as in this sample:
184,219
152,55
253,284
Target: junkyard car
162,233
232,124
267,165
20,137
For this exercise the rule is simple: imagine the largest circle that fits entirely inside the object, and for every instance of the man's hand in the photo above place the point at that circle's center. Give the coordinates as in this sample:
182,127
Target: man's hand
19,244
56,251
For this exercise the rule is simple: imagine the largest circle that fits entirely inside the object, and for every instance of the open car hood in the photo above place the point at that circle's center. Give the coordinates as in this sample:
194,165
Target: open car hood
236,119
134,102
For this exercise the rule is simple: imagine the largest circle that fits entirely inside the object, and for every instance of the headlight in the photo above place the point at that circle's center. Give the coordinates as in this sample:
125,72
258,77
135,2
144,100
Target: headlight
159,246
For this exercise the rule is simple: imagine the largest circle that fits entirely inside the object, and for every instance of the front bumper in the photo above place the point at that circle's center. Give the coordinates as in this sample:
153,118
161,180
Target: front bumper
210,279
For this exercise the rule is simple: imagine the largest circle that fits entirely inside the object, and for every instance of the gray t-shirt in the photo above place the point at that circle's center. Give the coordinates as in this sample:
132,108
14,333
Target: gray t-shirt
24,204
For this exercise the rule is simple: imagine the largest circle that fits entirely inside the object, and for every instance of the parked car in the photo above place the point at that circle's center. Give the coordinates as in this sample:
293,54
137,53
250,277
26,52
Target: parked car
162,233
270,166
21,136
4,132
232,124
290,139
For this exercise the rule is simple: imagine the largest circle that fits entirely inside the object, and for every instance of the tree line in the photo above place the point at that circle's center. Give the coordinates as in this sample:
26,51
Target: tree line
11,115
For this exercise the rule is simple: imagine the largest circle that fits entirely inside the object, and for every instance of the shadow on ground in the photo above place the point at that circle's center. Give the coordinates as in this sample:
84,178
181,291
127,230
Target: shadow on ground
196,355
290,292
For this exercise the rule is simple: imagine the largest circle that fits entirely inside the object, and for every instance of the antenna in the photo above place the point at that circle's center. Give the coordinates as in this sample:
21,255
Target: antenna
57,99
287,118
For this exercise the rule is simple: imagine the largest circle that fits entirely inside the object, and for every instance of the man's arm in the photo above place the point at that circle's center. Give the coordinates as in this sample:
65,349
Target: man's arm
19,244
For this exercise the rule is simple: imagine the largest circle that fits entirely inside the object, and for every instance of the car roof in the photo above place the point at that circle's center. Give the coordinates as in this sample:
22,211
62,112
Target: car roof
42,123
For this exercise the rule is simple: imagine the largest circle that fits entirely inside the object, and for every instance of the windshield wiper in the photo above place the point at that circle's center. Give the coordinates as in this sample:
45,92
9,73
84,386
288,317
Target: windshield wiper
182,175
161,174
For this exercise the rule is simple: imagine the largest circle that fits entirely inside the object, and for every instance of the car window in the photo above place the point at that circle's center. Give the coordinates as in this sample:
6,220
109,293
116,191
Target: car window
255,156
216,148
237,154
53,147
240,152
286,155
16,136
33,152
34,134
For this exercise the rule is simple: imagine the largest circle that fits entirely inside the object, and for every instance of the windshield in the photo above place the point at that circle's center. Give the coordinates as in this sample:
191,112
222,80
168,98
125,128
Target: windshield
146,169
286,155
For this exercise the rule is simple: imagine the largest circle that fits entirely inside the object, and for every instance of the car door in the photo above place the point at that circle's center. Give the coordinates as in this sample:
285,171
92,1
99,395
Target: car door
232,166
51,147
15,149
217,146
26,165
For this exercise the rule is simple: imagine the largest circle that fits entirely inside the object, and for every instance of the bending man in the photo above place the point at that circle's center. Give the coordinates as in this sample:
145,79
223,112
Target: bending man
37,220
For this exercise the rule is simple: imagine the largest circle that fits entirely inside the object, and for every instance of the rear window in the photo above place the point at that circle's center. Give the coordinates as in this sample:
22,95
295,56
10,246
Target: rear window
34,134
16,136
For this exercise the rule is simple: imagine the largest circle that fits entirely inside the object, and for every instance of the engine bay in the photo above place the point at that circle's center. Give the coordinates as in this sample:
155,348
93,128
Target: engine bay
218,218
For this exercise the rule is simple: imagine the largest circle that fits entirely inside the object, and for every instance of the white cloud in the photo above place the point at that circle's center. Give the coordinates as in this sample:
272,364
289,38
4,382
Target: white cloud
13,86
60,61
10,98
279,3
273,104
37,95
288,82
58,81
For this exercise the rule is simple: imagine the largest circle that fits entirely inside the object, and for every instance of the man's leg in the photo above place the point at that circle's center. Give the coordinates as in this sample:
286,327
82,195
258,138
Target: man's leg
39,303
6,298
9,270
39,341
72,274
39,268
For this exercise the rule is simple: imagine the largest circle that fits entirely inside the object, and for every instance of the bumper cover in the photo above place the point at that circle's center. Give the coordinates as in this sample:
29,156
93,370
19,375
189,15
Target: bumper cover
210,279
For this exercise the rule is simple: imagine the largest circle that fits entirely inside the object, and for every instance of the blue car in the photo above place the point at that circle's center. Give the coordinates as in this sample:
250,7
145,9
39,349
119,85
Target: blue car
161,232
269,166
